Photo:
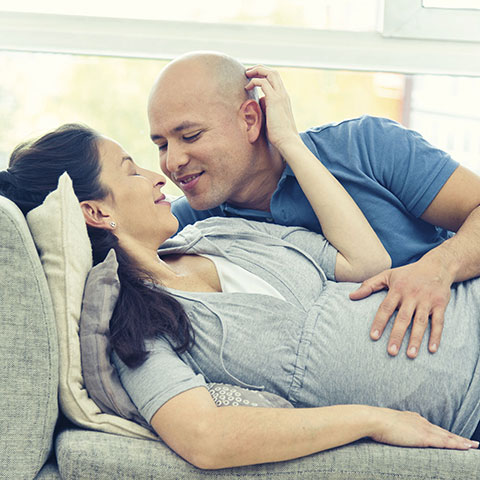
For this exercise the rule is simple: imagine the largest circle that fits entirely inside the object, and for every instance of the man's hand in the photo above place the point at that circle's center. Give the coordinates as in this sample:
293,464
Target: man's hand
418,291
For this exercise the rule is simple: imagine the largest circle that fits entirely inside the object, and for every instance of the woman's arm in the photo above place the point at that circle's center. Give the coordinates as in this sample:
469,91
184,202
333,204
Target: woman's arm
361,254
210,437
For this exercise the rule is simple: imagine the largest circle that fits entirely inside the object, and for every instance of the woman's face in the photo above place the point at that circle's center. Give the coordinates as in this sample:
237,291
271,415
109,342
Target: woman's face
135,202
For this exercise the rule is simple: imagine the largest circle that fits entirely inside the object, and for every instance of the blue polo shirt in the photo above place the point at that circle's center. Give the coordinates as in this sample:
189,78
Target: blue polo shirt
391,172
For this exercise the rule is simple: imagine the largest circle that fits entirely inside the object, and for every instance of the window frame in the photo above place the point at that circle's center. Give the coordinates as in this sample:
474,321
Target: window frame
410,19
274,45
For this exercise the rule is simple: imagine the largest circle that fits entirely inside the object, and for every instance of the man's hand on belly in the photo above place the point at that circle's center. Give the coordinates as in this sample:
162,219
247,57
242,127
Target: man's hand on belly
418,292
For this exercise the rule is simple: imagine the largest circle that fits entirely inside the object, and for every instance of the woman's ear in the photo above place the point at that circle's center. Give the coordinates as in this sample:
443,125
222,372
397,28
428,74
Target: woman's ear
95,215
252,115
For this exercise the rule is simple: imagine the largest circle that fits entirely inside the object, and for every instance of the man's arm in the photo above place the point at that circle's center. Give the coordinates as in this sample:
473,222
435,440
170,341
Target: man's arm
421,290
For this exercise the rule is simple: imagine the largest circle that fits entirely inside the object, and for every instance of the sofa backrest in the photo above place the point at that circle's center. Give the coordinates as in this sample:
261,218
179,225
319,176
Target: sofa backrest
28,351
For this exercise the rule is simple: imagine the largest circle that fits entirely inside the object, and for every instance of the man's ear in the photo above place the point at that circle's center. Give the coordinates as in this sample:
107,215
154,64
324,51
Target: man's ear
95,214
252,115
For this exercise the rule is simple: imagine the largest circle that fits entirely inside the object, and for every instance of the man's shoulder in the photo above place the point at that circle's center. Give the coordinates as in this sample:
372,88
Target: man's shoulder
365,133
360,124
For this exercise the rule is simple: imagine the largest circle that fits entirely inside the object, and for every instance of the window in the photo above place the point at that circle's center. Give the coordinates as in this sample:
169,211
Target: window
321,14
433,19
95,61
110,94
446,111
452,4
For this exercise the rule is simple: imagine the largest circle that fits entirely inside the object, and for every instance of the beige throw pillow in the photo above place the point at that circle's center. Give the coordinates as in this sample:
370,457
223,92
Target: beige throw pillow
60,234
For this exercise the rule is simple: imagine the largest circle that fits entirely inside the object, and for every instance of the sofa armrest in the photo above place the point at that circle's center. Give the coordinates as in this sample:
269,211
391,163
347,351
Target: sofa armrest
28,351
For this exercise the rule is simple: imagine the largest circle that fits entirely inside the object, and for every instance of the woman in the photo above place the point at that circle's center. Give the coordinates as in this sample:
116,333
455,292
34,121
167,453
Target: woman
250,303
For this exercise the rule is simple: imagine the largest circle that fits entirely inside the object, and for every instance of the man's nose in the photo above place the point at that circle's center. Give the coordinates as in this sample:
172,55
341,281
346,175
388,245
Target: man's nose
176,158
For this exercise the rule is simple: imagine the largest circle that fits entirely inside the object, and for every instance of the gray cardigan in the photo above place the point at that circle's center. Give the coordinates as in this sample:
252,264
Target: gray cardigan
313,348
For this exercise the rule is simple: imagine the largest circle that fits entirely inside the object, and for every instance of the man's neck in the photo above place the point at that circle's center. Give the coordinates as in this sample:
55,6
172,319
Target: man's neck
258,193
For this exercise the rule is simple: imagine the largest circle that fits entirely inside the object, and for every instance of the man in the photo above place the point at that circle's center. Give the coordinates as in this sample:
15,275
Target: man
213,141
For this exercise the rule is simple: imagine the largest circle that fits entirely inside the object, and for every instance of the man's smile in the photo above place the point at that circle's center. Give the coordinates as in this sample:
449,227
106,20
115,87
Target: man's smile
187,182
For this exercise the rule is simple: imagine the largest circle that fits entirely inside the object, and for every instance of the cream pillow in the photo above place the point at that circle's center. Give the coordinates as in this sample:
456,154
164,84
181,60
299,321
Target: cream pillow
60,234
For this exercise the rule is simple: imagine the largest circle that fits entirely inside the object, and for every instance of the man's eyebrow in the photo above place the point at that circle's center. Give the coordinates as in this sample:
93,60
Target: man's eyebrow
182,126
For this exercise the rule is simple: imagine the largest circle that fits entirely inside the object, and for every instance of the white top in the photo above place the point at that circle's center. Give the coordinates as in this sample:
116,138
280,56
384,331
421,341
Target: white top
236,279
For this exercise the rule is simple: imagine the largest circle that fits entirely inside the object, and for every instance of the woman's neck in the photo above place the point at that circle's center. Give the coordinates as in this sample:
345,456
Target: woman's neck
182,272
146,258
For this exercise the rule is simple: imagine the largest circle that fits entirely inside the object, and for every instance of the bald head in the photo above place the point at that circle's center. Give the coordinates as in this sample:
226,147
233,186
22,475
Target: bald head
217,73
209,130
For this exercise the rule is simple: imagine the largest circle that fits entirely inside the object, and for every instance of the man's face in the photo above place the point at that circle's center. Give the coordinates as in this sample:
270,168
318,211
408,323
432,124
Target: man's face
202,141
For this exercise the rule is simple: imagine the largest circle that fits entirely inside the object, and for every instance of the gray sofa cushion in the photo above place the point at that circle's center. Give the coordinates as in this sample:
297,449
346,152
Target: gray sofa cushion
87,455
49,472
28,351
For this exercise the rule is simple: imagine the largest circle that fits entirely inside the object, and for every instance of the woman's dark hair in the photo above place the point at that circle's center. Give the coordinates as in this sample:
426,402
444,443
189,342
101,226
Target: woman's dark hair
140,312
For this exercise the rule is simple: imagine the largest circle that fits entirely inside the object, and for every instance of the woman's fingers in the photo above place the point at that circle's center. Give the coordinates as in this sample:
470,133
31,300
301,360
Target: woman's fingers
442,438
410,429
260,71
263,83
276,106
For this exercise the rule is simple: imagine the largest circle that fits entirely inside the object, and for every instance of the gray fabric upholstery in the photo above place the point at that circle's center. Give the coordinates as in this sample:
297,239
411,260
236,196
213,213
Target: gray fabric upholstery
28,407
87,455
28,352
49,472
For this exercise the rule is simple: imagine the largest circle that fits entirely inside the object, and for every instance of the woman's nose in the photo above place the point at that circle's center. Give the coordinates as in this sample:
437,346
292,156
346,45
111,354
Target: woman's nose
160,180
156,178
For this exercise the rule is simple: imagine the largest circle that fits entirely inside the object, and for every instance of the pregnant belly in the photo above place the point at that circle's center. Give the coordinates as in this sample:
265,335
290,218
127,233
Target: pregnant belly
345,366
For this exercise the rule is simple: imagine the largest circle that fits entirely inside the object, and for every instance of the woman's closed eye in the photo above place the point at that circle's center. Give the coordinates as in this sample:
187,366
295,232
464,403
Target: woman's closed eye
134,172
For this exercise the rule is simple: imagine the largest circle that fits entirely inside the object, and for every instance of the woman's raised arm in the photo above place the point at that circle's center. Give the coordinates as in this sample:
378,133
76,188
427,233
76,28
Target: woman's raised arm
212,437
361,254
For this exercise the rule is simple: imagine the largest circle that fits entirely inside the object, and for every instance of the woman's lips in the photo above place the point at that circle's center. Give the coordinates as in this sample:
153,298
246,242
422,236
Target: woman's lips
162,201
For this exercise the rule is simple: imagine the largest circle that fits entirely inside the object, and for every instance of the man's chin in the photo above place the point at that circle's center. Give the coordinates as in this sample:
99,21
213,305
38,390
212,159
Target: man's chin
198,203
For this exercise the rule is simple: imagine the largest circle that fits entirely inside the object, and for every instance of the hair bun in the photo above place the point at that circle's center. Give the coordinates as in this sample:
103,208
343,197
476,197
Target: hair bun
7,177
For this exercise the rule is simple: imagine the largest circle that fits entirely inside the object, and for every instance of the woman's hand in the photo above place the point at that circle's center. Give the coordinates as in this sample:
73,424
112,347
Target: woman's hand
361,254
280,123
409,429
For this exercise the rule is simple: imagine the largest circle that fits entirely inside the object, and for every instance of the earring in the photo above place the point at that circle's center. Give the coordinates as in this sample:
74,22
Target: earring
113,224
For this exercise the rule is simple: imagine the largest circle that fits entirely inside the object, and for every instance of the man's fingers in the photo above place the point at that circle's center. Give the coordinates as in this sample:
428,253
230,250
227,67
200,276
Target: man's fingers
369,286
417,295
384,312
363,291
437,329
402,322
420,323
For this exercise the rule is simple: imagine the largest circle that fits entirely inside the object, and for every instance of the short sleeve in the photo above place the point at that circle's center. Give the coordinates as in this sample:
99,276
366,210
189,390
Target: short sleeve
161,377
407,164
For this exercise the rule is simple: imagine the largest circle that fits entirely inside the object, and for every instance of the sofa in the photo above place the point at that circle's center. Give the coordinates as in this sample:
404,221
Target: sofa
40,440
